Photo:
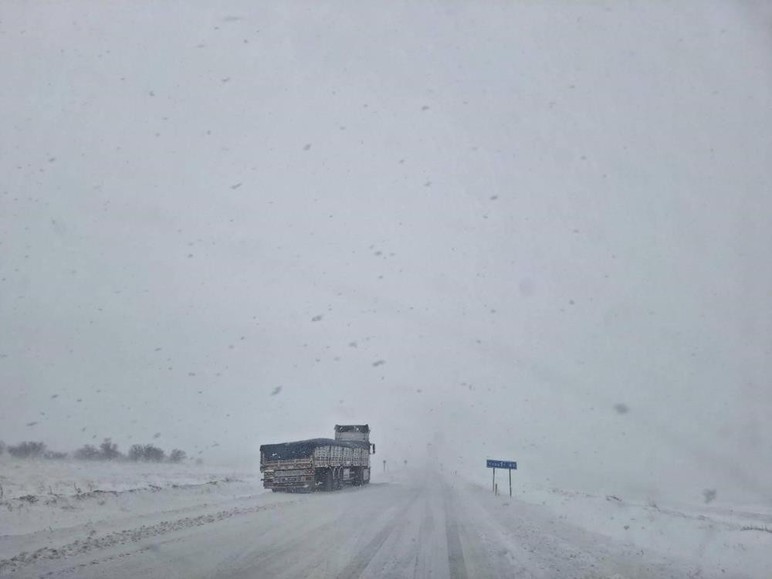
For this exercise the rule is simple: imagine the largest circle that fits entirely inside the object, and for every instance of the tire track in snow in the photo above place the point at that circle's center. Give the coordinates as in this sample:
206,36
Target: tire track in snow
360,562
456,561
426,536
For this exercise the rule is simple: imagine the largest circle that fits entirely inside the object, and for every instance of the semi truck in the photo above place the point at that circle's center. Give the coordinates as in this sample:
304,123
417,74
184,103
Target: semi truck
316,464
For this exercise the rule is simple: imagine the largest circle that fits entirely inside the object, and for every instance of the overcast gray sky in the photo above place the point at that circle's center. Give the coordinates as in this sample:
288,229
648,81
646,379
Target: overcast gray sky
515,235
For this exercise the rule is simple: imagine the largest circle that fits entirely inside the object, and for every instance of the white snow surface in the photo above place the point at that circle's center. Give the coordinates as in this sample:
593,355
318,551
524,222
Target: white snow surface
714,539
61,494
64,478
204,522
522,214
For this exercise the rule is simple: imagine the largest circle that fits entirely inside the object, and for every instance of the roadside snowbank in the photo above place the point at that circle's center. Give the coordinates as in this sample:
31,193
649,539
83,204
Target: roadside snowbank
49,495
22,478
713,537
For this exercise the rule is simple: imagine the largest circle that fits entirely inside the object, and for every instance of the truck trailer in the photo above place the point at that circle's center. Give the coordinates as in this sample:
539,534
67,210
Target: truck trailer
319,463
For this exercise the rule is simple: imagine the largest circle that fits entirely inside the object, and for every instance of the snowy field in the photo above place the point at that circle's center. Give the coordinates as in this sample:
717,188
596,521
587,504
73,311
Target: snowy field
721,537
67,478
714,534
41,497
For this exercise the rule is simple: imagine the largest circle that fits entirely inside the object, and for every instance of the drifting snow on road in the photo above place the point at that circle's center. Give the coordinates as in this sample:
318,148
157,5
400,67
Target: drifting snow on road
421,526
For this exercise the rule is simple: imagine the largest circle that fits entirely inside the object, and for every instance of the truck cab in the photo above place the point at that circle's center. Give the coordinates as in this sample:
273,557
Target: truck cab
354,433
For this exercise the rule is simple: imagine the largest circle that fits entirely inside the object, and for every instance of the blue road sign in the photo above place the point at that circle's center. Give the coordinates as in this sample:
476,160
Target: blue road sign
501,464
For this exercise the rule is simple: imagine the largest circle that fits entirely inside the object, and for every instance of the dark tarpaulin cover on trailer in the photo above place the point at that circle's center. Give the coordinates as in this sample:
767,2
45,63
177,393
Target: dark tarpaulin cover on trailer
303,448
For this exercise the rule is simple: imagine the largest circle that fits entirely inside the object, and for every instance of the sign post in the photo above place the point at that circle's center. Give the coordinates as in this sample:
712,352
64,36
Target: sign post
510,465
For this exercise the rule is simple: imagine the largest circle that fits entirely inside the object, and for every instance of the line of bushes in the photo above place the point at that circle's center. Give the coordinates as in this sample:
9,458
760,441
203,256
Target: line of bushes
108,450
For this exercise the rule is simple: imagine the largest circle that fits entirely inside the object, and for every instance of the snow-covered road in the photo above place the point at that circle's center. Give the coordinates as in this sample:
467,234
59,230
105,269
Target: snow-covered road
423,526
